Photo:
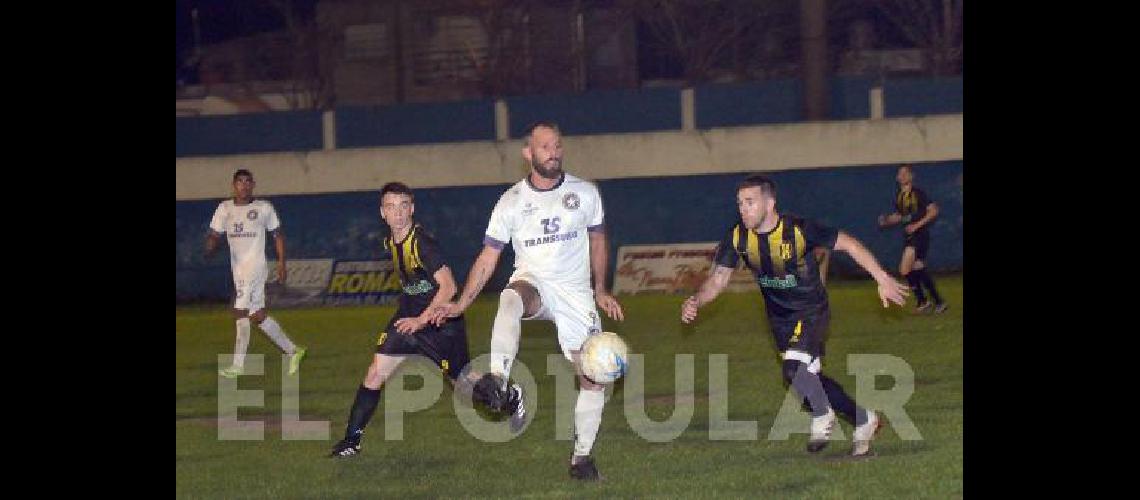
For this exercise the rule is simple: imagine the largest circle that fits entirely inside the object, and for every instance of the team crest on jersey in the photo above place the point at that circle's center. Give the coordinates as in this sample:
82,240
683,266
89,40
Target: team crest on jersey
785,250
251,215
530,209
571,201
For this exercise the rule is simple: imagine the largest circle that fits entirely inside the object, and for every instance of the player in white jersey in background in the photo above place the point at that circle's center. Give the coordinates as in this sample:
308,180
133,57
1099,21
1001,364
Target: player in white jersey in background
244,221
554,222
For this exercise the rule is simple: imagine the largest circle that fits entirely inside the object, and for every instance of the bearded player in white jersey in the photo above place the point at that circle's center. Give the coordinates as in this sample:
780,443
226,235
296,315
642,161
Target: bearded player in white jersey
244,221
554,222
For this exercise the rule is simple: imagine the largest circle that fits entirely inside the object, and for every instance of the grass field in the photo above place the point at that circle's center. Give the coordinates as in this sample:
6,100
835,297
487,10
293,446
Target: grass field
438,458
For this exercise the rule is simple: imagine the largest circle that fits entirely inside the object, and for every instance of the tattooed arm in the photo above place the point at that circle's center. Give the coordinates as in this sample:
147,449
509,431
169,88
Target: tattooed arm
712,287
477,278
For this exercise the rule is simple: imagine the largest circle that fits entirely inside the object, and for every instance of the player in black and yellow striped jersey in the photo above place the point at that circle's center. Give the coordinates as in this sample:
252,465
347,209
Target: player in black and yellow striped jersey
778,249
427,283
914,209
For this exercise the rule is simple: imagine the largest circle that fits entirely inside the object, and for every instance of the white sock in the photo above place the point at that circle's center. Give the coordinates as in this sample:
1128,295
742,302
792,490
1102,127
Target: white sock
242,343
505,332
277,335
587,419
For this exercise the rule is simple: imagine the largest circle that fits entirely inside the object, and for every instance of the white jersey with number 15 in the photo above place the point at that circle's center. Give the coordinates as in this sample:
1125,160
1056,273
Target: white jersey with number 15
548,229
245,227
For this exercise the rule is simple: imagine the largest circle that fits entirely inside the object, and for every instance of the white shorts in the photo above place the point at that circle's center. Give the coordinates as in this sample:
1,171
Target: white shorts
572,312
250,293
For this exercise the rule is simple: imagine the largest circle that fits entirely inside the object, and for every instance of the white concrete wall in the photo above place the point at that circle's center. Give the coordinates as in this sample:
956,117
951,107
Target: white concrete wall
722,150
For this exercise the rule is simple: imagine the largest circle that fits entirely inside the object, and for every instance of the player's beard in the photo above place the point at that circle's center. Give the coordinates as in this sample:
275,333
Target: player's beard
554,172
759,222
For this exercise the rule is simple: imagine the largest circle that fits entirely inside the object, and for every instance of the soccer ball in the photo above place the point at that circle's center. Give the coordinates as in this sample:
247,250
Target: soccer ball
604,357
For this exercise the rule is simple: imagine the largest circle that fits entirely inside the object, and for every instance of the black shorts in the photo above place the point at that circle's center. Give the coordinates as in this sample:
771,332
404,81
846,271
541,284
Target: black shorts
920,240
445,345
805,332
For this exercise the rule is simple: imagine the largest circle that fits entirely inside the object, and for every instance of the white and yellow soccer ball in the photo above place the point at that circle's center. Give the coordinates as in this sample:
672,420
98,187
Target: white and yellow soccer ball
604,357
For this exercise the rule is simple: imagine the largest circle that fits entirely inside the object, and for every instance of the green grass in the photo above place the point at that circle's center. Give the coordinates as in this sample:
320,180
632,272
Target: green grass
437,457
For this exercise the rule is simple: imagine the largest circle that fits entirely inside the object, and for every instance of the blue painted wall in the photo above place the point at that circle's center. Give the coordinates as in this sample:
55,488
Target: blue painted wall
703,208
414,124
850,98
248,133
922,96
602,112
639,211
779,101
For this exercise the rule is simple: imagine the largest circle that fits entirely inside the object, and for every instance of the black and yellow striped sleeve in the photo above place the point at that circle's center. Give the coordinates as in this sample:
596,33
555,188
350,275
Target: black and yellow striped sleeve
428,252
726,254
819,235
923,200
386,248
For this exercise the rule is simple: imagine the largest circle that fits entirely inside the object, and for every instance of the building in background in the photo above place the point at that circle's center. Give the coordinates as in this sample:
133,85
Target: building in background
381,52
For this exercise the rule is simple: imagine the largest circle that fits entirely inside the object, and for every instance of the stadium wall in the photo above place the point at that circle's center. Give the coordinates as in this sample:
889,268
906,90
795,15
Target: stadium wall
610,156
640,210
660,184
590,113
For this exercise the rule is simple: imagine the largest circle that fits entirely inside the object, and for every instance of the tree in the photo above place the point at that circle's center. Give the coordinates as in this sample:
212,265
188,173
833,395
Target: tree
699,33
933,25
522,50
309,80
503,68
734,35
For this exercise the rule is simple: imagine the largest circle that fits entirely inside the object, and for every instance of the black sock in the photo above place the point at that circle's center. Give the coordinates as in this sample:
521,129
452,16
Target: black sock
807,385
928,282
362,409
842,403
916,286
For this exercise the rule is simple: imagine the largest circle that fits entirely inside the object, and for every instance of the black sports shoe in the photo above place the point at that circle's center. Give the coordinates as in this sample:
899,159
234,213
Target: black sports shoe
347,447
488,391
515,407
509,402
584,469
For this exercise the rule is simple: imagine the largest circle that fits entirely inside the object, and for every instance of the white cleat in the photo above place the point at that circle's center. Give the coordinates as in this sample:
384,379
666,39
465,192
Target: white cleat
865,433
821,430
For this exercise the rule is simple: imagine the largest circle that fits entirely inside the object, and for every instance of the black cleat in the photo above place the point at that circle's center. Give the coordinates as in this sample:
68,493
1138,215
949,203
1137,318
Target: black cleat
585,469
347,447
941,308
515,407
508,402
816,446
488,391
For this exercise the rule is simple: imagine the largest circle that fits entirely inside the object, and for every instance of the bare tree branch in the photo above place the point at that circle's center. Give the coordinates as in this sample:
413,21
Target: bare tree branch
933,25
